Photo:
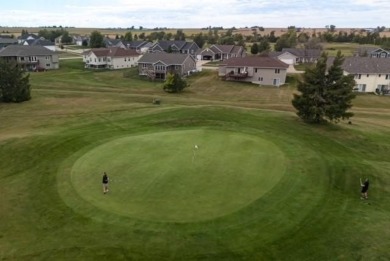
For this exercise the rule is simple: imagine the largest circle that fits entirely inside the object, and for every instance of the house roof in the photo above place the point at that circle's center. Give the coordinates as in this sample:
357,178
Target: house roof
113,52
138,44
181,45
24,50
255,61
41,42
8,41
223,48
364,65
25,36
312,53
167,58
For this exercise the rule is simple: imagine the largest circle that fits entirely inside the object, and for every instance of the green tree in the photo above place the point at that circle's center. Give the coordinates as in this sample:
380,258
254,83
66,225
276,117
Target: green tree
324,96
174,83
14,84
128,37
264,46
96,40
66,38
255,48
199,40
287,40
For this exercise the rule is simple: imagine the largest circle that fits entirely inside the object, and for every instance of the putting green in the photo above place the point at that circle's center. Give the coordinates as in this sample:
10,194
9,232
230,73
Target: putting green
163,177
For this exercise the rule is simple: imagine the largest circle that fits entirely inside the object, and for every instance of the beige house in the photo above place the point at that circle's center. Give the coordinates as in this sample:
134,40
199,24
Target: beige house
157,65
370,74
254,69
110,58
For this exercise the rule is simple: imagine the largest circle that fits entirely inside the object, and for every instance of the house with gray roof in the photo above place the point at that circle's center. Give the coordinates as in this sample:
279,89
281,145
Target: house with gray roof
175,47
157,65
254,69
4,42
140,46
41,42
372,51
293,56
25,37
370,74
31,58
221,52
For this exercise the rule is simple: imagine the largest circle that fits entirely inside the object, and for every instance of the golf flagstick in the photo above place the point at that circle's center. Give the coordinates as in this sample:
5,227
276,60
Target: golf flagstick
193,156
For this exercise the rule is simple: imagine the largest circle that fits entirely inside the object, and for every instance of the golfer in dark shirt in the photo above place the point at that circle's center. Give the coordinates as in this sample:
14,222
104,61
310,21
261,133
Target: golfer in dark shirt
105,183
364,186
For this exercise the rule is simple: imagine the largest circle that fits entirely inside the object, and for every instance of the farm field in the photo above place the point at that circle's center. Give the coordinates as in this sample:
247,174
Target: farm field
259,185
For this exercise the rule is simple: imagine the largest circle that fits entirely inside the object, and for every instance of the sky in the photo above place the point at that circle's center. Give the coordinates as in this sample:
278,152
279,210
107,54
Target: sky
196,13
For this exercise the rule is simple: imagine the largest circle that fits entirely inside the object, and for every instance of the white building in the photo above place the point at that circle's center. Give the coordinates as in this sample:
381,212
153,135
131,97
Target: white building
110,58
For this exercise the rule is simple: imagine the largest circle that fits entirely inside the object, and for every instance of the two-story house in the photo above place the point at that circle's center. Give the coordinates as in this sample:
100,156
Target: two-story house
254,69
31,58
110,58
370,74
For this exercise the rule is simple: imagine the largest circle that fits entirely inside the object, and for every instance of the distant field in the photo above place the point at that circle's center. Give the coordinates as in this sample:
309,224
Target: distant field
112,32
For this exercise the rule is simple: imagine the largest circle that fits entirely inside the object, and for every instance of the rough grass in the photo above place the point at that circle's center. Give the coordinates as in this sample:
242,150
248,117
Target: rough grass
313,212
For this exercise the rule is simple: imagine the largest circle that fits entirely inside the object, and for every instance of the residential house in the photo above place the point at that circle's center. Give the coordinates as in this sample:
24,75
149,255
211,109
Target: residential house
221,52
294,56
4,42
80,40
372,51
31,58
175,47
254,69
41,42
157,65
25,37
110,58
108,42
370,74
140,46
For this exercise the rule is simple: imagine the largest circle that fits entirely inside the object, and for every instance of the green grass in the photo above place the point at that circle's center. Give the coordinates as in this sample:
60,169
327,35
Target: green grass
262,186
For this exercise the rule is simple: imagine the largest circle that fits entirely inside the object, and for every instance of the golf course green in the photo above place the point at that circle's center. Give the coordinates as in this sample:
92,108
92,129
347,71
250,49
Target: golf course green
222,171
164,177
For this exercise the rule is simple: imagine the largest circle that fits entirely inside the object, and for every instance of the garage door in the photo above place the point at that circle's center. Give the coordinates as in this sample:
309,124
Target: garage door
288,61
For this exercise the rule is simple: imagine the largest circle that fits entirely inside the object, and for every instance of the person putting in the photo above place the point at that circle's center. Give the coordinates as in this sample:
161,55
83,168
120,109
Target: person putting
364,185
105,183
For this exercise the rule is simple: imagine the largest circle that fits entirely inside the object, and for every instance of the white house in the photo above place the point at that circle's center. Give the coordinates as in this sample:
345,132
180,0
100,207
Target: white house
110,58
370,74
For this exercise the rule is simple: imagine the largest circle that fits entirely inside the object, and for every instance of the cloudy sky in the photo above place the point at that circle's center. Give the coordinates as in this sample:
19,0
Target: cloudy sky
196,13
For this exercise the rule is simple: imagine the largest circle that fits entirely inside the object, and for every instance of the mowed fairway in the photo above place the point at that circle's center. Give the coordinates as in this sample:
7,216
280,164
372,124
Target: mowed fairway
259,185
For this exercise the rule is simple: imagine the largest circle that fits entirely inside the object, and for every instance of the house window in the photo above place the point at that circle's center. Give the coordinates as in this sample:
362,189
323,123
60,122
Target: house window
361,87
48,65
255,70
368,75
277,71
380,76
144,65
358,76
260,79
387,76
125,59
